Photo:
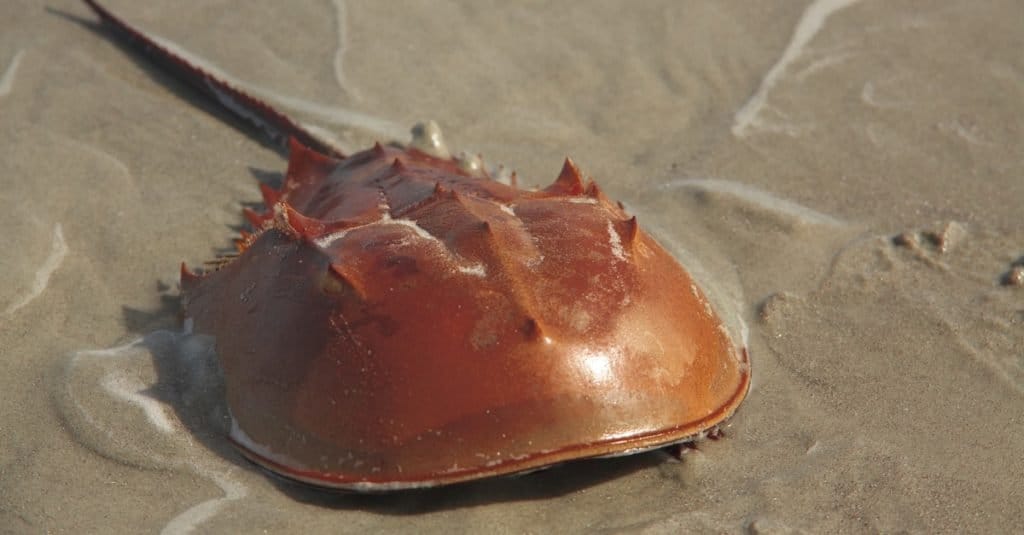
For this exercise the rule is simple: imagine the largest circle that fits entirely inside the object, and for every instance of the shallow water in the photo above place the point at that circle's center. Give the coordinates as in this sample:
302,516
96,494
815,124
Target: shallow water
778,150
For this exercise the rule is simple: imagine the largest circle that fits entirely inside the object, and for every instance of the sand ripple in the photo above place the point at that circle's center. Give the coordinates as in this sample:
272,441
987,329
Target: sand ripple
152,403
58,250
7,78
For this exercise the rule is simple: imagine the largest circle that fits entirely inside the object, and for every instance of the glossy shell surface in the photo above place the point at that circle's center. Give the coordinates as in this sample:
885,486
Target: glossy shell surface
397,322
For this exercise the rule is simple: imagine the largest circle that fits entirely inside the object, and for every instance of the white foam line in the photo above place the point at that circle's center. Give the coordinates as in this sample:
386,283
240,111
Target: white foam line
101,353
869,96
125,389
58,250
744,330
7,79
822,64
758,197
967,133
99,154
108,352
810,23
341,18
128,390
331,114
326,135
188,520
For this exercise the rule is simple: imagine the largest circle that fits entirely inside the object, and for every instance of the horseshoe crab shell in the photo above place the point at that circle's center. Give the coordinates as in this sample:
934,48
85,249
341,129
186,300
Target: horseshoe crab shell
400,320
396,322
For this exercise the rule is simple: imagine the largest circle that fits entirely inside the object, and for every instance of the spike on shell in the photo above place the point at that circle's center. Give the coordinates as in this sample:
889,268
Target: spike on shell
189,280
628,229
441,192
293,223
306,166
569,181
533,330
243,241
595,192
256,219
270,195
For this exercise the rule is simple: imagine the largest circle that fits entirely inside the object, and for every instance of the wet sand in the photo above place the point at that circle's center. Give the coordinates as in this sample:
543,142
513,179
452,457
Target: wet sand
846,177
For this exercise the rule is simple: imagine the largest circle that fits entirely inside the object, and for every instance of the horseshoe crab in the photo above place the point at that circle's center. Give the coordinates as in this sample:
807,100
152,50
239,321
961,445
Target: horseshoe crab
398,319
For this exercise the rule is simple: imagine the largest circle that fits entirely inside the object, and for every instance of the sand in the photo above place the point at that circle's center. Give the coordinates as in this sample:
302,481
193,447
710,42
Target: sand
847,177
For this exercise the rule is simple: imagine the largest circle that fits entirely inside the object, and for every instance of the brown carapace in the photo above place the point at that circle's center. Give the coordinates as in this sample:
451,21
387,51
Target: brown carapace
398,321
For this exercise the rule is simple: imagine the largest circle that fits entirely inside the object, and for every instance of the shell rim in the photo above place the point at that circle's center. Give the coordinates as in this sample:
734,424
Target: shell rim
612,447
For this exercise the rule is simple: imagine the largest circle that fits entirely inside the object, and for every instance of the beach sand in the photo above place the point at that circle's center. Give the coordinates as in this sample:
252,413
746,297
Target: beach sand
846,177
